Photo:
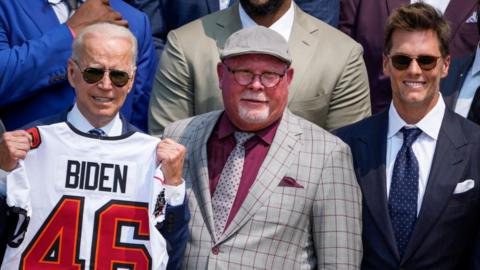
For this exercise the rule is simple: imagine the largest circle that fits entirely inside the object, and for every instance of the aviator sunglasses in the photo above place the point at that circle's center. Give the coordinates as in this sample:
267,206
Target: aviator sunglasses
402,62
93,75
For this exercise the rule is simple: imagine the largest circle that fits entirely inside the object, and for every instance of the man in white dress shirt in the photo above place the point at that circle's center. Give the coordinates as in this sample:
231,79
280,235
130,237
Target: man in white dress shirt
102,72
417,162
461,87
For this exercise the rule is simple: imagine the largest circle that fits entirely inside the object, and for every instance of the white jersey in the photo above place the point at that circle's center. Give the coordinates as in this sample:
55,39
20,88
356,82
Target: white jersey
91,202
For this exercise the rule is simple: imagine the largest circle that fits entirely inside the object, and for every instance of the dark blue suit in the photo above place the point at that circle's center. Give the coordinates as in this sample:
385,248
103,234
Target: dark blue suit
34,49
174,229
452,84
166,15
447,222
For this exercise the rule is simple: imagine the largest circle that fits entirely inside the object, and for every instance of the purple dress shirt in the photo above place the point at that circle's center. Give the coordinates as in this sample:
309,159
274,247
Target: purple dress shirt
221,144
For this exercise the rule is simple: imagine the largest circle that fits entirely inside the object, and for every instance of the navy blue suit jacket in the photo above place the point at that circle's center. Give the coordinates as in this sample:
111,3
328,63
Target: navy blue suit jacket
34,49
447,223
452,84
174,229
166,15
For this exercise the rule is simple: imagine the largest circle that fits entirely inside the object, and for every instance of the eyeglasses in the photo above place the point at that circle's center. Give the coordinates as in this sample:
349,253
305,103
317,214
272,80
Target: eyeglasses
426,62
93,75
245,77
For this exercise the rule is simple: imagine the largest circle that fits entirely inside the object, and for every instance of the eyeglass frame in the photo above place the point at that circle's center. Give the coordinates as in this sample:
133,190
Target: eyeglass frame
411,58
105,70
254,75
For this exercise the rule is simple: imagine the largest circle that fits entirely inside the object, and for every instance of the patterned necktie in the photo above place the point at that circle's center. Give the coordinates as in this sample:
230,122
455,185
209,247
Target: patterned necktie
474,113
227,187
97,132
402,202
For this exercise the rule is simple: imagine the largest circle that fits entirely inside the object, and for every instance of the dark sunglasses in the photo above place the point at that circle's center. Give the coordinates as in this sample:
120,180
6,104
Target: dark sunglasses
93,75
402,62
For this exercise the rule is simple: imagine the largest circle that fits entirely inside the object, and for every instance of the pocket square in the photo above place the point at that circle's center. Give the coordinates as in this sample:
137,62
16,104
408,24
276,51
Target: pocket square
289,182
464,186
473,18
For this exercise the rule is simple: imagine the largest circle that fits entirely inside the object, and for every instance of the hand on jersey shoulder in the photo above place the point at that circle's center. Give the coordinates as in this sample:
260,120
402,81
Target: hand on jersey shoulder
14,146
171,155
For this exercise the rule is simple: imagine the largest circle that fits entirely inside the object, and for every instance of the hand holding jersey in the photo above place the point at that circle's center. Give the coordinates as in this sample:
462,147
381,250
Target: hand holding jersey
13,147
171,155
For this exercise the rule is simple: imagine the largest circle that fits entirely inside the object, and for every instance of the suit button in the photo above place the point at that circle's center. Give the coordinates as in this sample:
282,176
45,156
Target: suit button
215,250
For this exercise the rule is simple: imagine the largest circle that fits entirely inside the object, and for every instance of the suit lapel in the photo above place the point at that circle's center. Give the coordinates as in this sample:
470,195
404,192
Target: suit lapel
302,45
446,167
199,169
46,19
227,23
373,152
280,156
457,13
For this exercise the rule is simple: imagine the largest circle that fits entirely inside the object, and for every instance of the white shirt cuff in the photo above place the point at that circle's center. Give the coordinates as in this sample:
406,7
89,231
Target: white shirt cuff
175,195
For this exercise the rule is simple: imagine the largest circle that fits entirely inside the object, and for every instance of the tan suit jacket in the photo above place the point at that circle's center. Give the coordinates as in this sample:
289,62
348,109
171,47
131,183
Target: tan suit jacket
329,87
310,220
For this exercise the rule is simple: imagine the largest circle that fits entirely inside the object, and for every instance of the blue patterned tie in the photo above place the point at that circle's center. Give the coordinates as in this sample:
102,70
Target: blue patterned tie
402,202
97,132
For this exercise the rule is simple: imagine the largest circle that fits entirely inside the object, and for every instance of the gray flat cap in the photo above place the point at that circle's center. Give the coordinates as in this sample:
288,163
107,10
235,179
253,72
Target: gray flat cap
257,39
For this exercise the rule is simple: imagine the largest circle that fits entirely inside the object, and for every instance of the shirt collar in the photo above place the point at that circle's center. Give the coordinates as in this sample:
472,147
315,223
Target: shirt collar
226,129
283,25
76,118
430,124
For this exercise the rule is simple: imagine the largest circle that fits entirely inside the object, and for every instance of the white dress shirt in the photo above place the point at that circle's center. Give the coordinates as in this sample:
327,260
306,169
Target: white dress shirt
283,25
174,195
441,5
223,4
423,147
469,87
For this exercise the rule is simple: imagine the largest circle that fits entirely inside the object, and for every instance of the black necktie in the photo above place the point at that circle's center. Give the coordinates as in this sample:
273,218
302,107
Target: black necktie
474,113
402,201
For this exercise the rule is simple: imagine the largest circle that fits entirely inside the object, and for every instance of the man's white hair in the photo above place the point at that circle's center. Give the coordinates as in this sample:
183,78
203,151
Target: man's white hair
106,30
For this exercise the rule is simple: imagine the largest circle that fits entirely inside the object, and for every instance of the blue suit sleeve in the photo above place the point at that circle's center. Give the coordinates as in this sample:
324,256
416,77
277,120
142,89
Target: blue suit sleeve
175,230
33,65
147,61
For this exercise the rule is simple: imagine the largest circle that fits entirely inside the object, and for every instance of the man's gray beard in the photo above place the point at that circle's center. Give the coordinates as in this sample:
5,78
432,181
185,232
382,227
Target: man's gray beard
268,8
253,118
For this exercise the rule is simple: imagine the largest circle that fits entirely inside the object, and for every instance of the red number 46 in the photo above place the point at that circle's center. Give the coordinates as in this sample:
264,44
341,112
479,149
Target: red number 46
57,243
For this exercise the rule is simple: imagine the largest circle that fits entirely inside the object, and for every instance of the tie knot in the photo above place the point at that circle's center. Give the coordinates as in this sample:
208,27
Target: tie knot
242,137
97,132
410,135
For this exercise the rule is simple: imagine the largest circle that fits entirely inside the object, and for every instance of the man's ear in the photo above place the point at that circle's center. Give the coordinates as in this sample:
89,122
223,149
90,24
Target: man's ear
386,66
290,73
132,80
71,72
445,66
220,73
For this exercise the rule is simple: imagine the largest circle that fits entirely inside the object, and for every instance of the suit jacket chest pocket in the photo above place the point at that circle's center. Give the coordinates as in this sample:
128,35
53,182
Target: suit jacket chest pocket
285,206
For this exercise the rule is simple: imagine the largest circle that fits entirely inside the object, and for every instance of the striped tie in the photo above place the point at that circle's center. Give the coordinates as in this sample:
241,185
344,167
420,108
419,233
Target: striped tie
97,132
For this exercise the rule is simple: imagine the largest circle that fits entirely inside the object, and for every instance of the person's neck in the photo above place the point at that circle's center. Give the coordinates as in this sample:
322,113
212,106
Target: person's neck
412,114
268,20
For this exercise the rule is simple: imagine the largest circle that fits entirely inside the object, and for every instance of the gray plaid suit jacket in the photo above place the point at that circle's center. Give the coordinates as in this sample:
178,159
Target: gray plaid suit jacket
313,222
